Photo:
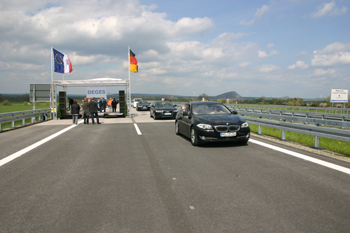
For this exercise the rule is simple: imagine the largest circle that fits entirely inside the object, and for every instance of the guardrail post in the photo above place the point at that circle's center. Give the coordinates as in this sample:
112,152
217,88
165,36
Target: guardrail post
316,142
283,135
23,121
259,131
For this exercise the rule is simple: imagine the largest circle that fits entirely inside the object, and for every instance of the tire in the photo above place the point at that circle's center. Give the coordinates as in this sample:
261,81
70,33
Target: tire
177,128
195,141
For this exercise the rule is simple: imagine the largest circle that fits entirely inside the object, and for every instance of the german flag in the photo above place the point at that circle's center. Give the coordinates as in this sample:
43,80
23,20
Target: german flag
133,63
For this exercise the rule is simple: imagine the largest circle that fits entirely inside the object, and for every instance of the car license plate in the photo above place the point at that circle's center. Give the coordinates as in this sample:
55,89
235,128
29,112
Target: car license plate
144,107
167,113
231,134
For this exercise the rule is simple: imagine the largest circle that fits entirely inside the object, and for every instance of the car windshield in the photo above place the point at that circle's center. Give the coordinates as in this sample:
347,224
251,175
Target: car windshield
209,109
143,102
163,104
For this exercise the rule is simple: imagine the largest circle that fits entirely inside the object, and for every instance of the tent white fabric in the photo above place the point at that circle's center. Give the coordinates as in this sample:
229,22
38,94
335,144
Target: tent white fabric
98,82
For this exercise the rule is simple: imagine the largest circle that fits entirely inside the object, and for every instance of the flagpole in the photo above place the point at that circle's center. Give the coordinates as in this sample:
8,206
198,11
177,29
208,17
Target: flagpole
129,91
51,89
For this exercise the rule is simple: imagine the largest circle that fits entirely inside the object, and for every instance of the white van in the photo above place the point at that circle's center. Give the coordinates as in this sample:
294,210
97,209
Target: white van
136,100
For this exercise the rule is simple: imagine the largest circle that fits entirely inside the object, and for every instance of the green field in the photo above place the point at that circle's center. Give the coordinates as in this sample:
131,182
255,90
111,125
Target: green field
17,107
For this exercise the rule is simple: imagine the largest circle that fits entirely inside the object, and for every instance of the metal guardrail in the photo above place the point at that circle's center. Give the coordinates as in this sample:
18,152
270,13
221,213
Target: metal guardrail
23,115
325,110
317,131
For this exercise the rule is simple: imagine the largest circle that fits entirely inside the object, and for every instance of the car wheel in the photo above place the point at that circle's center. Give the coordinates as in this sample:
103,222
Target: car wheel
195,141
177,128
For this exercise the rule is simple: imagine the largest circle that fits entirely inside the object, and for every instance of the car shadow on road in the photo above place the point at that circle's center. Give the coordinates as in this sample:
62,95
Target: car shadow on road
216,144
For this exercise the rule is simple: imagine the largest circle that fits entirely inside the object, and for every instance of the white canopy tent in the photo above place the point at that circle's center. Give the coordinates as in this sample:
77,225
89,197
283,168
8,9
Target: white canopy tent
99,82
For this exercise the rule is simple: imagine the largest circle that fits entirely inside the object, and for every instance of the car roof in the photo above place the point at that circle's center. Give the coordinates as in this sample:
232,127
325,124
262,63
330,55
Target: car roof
204,102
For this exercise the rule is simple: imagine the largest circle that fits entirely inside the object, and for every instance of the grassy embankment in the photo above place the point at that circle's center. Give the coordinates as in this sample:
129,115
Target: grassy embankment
308,140
16,107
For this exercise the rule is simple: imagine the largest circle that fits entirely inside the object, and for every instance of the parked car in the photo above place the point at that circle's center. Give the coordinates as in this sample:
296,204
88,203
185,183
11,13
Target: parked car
136,100
211,122
143,105
163,109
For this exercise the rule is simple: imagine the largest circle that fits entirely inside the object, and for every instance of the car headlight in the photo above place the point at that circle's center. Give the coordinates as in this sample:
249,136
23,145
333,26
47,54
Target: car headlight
204,126
159,110
244,125
175,111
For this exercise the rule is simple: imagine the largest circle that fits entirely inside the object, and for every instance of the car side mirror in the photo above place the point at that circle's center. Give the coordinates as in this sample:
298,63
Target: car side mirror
234,112
185,113
174,105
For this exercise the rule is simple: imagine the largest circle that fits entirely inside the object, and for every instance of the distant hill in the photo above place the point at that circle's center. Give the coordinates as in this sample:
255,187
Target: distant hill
229,95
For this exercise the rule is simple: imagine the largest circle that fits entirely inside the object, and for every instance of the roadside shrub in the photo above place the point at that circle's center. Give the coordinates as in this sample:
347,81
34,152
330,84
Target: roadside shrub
6,103
25,103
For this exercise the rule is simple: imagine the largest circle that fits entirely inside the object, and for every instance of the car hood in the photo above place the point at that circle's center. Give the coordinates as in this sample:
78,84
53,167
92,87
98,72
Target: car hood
166,108
219,119
143,104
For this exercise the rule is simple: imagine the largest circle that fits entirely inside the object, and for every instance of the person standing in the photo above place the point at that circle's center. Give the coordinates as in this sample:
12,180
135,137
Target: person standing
104,104
100,103
75,111
86,111
70,103
114,105
93,111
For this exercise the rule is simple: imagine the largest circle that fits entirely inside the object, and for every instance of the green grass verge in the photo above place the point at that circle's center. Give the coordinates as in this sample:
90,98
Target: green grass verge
308,140
16,107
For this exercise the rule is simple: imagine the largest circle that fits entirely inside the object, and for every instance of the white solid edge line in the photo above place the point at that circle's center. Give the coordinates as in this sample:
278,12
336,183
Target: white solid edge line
301,156
137,129
33,146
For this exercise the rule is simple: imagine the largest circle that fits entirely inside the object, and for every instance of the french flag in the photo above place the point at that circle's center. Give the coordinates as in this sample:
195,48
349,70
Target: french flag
62,62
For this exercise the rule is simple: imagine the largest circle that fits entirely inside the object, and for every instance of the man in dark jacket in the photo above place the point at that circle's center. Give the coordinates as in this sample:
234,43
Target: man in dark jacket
86,111
75,111
93,110
104,104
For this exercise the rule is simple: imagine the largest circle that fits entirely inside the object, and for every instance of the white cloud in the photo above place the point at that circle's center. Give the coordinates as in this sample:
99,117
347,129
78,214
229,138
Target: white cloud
258,15
302,53
299,65
333,48
270,45
323,72
268,68
328,9
340,58
245,64
263,54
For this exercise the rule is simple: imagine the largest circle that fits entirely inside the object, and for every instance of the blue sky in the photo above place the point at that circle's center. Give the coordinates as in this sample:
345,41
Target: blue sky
275,48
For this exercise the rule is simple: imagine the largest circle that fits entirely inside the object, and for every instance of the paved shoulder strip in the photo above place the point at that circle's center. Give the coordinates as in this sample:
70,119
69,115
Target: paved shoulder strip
35,145
301,156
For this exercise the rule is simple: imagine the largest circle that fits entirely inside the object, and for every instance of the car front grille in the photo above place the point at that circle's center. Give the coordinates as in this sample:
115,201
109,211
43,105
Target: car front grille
227,128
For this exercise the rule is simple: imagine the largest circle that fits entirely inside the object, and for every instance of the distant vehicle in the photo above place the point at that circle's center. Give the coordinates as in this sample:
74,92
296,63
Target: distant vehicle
143,105
136,100
163,109
211,122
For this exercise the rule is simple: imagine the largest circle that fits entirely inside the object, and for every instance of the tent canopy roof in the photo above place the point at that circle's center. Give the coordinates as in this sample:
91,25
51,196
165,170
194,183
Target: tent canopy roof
92,82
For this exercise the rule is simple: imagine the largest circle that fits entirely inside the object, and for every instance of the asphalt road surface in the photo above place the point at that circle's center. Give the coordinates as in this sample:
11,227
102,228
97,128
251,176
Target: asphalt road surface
136,175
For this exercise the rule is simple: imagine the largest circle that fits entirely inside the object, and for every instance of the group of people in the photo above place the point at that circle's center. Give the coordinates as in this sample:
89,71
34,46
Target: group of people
90,109
111,103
